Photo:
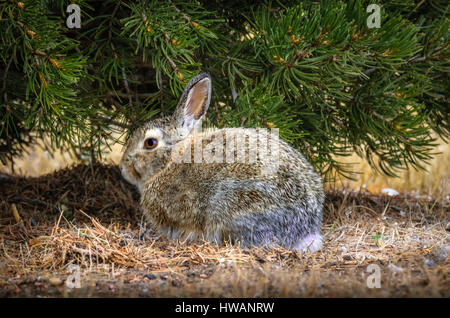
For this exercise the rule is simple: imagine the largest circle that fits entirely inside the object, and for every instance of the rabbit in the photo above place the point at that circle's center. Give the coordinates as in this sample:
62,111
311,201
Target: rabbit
236,201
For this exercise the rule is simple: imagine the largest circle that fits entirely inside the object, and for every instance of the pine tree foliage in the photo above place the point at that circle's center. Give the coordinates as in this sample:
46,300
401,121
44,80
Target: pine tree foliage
313,69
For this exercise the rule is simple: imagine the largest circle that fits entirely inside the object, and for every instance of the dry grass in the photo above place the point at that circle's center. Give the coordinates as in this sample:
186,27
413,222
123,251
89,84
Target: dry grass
88,216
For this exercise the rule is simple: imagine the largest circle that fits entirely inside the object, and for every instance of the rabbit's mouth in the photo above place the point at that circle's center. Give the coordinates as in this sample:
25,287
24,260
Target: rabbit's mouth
135,173
131,175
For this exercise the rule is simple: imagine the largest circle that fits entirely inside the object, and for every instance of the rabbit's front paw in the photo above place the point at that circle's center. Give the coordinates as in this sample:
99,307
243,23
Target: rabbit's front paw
180,235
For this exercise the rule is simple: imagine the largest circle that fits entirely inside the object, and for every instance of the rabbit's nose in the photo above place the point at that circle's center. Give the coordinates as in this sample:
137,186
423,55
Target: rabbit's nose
127,159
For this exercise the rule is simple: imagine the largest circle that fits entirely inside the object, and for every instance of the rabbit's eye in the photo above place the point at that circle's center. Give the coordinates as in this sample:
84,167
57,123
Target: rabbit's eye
150,143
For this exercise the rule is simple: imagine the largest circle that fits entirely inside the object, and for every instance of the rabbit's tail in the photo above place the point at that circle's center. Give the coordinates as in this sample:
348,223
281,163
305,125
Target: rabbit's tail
311,243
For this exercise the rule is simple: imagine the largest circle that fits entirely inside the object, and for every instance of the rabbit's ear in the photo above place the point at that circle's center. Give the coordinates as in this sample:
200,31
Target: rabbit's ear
194,102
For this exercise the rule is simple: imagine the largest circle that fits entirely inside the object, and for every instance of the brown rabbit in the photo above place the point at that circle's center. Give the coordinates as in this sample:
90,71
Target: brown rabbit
269,199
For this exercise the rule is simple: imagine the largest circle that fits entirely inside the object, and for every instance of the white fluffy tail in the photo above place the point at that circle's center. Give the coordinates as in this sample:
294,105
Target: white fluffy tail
311,243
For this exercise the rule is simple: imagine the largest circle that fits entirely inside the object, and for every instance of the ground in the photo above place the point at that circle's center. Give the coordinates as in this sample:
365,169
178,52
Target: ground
85,220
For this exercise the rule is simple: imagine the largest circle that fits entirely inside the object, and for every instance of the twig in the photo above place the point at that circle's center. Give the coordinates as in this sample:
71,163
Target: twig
5,95
127,88
17,199
55,228
15,213
185,17
160,89
111,44
114,122
418,58
110,26
172,63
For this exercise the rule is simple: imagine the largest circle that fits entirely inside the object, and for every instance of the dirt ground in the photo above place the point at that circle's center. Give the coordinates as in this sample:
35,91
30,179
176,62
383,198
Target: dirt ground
79,233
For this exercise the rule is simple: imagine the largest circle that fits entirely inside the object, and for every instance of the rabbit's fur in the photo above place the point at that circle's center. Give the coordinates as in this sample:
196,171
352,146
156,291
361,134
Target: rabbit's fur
236,201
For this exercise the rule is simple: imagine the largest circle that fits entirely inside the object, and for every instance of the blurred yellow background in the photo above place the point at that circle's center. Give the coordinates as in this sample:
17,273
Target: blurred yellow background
434,182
